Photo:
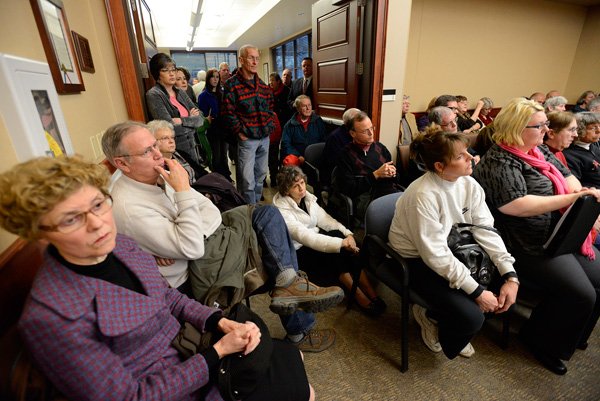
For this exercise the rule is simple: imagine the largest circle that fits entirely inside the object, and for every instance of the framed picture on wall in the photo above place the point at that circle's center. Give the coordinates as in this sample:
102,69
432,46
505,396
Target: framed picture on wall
147,23
31,110
58,45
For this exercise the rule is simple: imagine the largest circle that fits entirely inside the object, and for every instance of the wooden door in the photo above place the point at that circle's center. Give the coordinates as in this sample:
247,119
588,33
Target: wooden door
336,49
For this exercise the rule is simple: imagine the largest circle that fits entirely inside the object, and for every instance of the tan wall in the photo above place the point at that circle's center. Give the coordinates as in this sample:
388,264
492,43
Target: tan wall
585,72
499,49
86,114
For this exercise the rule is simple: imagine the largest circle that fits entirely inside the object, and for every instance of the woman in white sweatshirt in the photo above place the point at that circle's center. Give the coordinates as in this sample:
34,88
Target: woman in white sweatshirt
324,247
424,215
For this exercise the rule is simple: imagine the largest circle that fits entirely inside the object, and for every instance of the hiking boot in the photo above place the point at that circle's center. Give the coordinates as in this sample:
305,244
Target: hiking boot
316,340
429,330
304,295
467,351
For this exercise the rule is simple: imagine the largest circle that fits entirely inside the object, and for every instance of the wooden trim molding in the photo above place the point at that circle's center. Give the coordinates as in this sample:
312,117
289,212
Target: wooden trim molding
378,64
117,19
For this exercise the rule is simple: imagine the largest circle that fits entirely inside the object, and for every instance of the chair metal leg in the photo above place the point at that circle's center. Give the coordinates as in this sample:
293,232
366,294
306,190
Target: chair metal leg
404,328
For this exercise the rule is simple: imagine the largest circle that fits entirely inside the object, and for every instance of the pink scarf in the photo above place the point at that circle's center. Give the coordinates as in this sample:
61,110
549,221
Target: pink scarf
536,159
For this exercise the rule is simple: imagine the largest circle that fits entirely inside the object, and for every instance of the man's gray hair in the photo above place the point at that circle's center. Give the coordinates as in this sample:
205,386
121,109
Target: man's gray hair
113,137
554,102
348,114
437,114
243,52
157,125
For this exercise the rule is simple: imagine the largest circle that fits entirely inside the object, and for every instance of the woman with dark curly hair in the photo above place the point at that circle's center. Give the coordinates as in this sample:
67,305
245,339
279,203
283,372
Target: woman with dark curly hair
323,245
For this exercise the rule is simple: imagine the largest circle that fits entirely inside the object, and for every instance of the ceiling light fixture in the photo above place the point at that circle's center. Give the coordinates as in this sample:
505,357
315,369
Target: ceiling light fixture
195,18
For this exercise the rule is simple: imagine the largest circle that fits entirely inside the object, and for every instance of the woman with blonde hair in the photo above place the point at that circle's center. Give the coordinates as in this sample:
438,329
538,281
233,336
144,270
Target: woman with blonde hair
526,187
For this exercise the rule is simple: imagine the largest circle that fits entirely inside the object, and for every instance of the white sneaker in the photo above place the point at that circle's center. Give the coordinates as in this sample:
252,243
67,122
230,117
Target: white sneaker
429,330
467,351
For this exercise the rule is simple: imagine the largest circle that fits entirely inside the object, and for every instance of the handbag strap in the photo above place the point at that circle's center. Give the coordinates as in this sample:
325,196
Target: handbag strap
464,225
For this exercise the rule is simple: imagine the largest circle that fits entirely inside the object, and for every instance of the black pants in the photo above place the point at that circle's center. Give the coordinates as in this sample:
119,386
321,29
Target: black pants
323,268
273,162
459,317
570,306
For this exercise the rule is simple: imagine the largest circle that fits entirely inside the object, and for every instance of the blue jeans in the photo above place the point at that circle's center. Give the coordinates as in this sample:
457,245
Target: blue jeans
251,168
278,254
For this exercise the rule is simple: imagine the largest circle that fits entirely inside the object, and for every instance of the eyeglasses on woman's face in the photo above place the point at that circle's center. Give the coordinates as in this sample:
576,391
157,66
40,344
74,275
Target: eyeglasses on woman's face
539,126
73,222
171,70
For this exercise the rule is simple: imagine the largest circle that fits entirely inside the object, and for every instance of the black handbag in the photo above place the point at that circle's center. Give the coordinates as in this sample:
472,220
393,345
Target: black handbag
238,374
466,249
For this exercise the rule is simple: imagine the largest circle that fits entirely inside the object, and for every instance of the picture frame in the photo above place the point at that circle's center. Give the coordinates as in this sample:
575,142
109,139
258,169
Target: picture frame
84,53
266,72
31,109
55,34
148,26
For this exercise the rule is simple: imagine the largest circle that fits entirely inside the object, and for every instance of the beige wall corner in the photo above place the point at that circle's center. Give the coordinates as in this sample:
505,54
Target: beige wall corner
396,52
86,114
585,72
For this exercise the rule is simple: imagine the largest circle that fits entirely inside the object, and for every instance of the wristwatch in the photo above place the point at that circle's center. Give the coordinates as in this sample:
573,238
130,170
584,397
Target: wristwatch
514,280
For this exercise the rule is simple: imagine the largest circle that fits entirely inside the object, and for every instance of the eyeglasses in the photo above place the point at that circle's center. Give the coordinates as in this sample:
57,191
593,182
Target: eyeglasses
592,128
451,122
256,59
365,131
572,129
166,138
146,153
168,70
75,221
539,126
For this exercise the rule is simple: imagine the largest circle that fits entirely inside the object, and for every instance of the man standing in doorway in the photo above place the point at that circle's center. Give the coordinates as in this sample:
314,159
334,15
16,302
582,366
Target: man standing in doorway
249,114
303,86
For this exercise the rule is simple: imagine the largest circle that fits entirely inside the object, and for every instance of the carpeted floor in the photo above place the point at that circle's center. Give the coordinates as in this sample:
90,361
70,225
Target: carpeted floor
364,363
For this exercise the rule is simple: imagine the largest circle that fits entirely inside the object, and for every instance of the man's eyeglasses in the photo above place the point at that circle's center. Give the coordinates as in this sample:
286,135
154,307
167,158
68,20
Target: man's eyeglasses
451,122
75,221
168,70
166,138
539,126
365,131
256,59
148,152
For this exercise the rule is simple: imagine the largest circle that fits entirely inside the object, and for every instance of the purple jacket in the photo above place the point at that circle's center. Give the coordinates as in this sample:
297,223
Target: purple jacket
98,341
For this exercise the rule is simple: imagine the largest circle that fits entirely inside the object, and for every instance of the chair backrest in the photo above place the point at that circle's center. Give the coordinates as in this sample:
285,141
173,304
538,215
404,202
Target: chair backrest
379,215
403,156
313,154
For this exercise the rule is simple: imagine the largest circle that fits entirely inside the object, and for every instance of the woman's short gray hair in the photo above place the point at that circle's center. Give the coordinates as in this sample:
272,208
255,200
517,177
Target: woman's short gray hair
584,119
157,125
554,102
287,177
487,102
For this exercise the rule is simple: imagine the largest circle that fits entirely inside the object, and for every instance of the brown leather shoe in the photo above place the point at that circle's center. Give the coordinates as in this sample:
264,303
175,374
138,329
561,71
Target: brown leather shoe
316,340
304,295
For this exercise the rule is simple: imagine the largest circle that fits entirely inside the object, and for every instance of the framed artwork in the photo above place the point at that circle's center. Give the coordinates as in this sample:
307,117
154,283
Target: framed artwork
147,23
266,72
31,109
56,38
84,53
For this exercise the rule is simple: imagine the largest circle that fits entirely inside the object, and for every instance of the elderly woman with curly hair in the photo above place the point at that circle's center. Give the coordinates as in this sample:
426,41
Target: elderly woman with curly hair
323,245
583,156
100,319
526,188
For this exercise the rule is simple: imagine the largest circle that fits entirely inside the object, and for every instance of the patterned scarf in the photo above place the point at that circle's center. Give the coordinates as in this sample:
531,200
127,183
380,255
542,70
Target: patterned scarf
536,159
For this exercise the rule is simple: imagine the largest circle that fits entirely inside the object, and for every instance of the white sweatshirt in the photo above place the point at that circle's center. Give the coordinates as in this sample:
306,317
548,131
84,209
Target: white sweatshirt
423,218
